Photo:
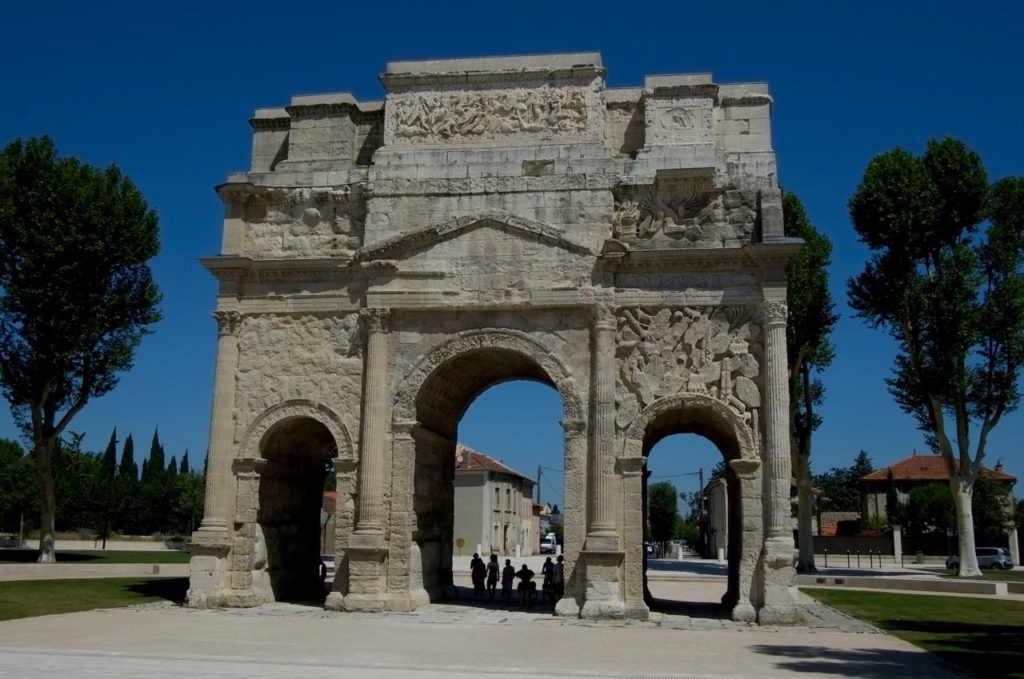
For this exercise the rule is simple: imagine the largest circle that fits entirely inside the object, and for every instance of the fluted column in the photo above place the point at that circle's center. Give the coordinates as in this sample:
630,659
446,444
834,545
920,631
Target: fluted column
776,384
374,422
222,429
602,515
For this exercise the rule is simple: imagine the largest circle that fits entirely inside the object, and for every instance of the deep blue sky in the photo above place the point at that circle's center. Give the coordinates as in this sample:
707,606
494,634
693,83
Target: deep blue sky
165,89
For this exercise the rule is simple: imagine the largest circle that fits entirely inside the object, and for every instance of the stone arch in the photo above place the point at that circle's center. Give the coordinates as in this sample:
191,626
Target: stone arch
280,477
551,370
705,415
294,408
730,432
430,401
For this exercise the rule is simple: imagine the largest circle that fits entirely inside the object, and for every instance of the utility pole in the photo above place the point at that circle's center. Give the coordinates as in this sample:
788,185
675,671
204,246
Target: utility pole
538,483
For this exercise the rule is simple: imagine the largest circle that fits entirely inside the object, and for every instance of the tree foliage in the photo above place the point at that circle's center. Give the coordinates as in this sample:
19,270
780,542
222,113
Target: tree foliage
839,488
950,294
76,294
809,326
662,510
89,501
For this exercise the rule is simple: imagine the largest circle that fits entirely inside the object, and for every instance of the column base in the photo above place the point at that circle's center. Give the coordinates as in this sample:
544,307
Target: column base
773,614
636,609
743,612
211,536
602,583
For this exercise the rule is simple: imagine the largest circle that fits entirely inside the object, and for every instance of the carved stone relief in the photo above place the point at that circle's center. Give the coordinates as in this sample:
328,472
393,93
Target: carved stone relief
692,213
305,222
700,350
478,116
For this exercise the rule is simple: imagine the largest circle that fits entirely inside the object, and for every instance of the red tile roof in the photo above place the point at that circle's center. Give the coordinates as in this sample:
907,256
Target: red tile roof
926,467
469,460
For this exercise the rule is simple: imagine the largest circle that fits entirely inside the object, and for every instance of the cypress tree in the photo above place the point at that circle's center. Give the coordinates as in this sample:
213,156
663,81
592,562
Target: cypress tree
184,468
128,467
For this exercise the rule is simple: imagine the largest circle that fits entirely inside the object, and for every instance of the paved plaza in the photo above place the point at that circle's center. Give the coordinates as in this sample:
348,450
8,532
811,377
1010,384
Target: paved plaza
452,640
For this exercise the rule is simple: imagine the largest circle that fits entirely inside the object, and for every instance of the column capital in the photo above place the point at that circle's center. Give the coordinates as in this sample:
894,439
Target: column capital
775,311
604,316
377,319
228,322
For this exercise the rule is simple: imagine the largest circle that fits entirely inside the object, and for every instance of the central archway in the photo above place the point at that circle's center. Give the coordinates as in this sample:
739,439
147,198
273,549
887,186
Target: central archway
429,405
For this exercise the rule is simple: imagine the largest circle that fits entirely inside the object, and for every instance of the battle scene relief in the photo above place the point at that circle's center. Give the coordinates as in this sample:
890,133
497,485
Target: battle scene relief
714,351
473,116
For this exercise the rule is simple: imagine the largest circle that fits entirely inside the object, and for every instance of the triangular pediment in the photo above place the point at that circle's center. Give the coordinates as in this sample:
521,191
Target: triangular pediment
409,243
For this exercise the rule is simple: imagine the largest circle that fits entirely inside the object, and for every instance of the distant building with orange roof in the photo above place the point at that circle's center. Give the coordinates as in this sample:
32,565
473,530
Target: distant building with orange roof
920,469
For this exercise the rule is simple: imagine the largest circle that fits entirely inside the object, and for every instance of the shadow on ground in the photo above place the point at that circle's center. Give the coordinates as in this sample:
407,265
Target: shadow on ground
170,589
692,566
30,556
823,661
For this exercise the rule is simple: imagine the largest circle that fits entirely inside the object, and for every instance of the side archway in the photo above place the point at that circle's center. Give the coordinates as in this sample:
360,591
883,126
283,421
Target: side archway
732,434
285,457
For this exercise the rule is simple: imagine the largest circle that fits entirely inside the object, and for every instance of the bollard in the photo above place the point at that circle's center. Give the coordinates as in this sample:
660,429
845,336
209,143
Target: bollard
826,558
858,558
847,558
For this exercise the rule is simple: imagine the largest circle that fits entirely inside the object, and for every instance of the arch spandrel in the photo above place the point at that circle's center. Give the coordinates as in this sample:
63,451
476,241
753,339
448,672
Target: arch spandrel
697,413
295,408
546,367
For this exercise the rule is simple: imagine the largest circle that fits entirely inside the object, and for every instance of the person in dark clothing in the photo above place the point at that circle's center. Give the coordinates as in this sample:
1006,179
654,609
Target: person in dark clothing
508,575
527,587
492,576
477,570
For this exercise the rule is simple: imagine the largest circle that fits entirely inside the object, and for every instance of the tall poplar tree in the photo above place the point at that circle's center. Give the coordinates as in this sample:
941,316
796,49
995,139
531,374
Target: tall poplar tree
811,319
944,280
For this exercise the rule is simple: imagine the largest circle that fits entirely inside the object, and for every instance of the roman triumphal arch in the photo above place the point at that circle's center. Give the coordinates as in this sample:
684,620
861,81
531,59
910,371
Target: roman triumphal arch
384,262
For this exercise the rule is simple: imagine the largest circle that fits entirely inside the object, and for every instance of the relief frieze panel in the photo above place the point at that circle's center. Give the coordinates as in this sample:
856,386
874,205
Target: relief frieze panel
693,213
713,351
468,117
305,222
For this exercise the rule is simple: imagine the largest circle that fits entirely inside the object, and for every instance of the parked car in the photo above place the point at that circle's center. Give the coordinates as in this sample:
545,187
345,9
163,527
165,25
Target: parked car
988,557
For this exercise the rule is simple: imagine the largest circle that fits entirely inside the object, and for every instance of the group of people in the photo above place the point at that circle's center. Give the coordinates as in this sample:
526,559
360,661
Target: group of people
485,580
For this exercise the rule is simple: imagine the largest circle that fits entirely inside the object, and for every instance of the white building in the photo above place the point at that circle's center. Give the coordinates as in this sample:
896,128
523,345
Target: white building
493,506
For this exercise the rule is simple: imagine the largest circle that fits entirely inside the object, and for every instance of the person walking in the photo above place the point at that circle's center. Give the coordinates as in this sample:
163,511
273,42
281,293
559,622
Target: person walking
508,574
477,569
558,579
546,571
492,576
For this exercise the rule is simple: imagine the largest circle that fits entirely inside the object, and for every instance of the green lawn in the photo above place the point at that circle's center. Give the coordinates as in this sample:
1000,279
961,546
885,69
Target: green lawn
985,636
29,598
96,556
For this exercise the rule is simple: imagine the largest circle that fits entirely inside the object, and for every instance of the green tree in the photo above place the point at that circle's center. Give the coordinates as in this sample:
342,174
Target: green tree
952,297
18,489
929,509
810,323
185,468
662,510
76,294
993,510
839,488
109,475
127,506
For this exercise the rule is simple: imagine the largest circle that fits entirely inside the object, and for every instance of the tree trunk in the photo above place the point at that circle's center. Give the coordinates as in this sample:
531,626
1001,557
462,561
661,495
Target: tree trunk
963,492
47,502
805,517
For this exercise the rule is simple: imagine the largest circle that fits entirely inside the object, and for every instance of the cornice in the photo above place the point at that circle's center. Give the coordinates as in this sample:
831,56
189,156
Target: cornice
401,82
619,257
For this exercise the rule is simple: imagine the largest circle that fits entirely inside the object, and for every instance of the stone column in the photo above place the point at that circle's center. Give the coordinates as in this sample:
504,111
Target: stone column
214,529
1014,546
374,422
601,534
780,554
367,550
603,556
776,384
